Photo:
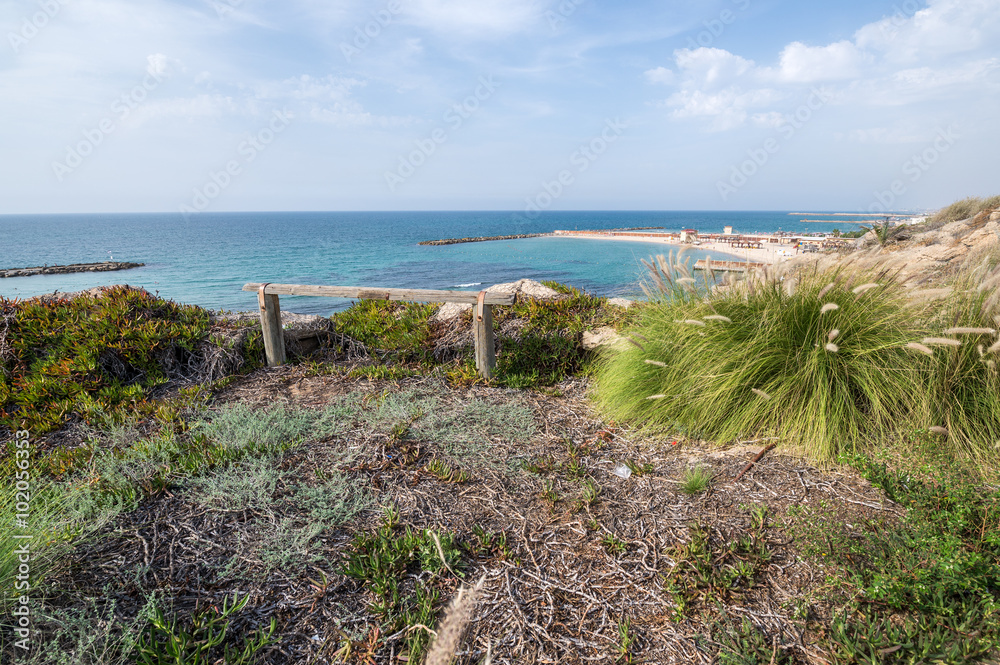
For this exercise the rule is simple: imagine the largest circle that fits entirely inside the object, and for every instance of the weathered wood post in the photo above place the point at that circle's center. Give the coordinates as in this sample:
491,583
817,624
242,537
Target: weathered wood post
486,356
270,323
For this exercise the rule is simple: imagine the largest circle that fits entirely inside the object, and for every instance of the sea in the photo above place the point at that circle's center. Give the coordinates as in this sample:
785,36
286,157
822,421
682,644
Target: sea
205,259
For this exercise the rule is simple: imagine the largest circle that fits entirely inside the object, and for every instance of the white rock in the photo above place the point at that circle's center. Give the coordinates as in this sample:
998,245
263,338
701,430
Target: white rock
525,287
621,302
450,310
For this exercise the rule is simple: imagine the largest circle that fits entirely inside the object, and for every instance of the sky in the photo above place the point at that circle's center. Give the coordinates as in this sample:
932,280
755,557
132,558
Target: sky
249,105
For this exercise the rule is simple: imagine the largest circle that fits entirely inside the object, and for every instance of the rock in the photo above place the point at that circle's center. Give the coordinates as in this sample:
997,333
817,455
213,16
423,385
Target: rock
995,216
522,288
621,302
526,287
450,310
96,292
604,336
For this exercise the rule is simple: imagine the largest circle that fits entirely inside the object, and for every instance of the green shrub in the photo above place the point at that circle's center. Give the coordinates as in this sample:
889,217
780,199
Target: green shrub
926,589
823,366
401,328
548,346
89,355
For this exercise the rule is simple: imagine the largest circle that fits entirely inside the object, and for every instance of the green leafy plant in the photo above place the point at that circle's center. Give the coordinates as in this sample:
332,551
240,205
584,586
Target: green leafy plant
920,589
613,545
626,641
196,642
384,562
89,356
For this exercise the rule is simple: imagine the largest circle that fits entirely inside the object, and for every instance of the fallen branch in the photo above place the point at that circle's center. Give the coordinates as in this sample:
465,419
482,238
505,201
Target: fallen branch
754,460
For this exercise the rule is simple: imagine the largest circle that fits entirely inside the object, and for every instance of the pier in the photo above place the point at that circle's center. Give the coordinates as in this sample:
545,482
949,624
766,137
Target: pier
103,266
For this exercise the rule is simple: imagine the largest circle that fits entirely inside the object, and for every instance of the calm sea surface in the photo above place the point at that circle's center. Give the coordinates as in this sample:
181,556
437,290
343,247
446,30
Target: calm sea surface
205,260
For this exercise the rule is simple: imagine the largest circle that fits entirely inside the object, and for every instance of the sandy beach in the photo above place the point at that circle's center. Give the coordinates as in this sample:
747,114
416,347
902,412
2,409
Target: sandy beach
719,251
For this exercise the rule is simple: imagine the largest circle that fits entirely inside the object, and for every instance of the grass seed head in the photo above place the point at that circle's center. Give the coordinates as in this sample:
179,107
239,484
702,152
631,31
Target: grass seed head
761,393
916,346
655,362
718,317
941,341
694,322
831,347
451,628
858,290
829,307
832,335
970,331
656,397
826,289
994,348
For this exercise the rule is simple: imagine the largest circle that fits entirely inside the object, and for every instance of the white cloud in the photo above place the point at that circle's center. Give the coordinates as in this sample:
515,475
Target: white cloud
727,108
807,64
944,27
660,75
711,67
938,52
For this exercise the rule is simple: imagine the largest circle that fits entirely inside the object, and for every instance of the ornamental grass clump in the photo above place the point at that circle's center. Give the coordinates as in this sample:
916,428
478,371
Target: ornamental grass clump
764,362
962,396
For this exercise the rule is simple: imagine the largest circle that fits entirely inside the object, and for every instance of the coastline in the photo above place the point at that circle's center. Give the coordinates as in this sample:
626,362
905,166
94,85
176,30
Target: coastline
725,253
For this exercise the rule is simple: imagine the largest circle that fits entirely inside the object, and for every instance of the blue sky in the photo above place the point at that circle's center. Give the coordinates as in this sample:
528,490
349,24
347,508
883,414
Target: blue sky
222,105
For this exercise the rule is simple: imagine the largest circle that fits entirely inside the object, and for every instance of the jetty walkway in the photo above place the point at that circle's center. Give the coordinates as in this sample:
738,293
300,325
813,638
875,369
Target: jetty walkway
103,266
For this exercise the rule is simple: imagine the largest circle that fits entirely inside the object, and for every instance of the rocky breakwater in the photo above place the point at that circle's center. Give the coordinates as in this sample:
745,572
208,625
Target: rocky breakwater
103,266
458,241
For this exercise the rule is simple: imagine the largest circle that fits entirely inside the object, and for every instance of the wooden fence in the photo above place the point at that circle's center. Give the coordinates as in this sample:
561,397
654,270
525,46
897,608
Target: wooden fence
274,340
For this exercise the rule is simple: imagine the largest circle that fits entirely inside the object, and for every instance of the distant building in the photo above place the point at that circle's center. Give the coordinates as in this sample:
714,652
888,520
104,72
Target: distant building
689,235
727,230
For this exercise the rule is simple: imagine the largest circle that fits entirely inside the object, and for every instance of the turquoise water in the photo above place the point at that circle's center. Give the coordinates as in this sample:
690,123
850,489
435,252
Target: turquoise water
206,259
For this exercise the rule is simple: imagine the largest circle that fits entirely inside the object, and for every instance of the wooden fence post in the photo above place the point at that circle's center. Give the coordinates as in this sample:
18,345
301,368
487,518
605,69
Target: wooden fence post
486,357
270,323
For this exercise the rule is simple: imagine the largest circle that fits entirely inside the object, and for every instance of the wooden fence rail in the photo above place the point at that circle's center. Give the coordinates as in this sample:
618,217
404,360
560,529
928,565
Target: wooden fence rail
274,340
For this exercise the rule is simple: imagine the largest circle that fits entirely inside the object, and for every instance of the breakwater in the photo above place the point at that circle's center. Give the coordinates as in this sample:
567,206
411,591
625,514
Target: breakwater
458,241
103,266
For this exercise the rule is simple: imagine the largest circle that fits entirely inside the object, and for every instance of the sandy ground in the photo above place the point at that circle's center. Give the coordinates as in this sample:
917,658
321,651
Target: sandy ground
720,251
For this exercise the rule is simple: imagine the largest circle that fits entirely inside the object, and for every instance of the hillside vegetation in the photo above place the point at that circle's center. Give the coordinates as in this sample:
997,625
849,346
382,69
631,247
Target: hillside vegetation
187,505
